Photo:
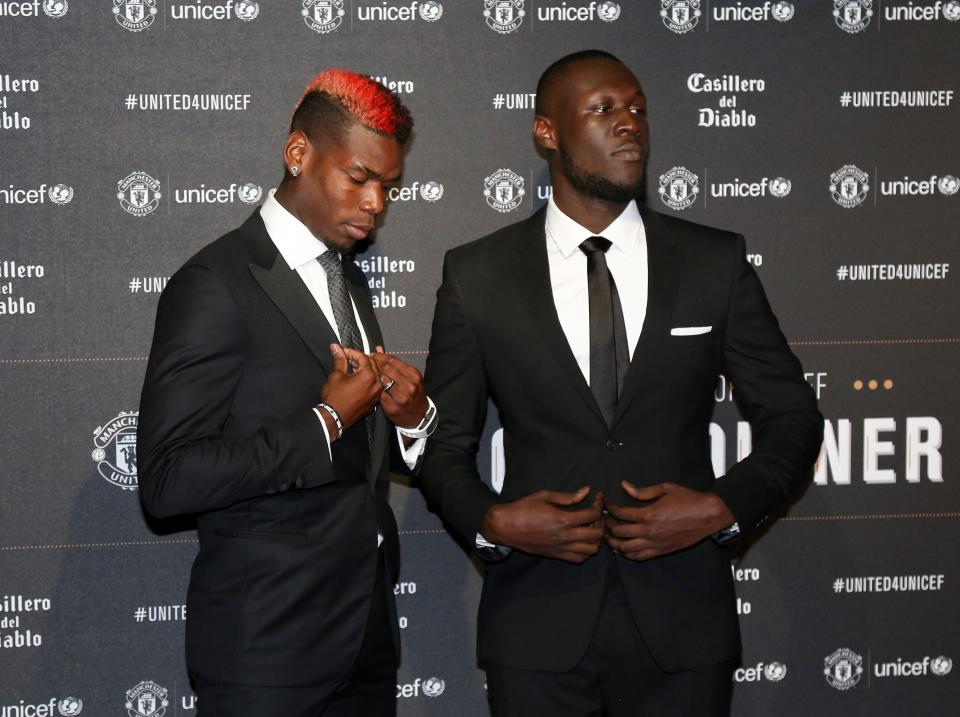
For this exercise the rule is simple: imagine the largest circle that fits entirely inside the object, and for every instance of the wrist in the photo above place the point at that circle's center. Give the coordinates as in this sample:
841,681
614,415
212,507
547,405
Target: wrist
488,526
426,426
332,420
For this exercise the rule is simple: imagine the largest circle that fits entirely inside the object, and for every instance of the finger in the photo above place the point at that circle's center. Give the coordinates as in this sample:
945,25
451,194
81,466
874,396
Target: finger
359,359
585,547
583,534
631,545
379,349
629,531
623,513
651,492
339,358
558,498
400,368
387,381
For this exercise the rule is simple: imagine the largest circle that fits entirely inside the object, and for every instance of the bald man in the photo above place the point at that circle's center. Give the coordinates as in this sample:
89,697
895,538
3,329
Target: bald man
598,328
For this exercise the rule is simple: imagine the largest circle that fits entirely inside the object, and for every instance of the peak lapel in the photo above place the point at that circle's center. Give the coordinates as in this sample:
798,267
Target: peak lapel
288,292
663,274
533,276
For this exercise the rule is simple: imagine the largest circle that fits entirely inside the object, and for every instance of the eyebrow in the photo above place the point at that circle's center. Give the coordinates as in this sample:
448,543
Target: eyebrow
372,173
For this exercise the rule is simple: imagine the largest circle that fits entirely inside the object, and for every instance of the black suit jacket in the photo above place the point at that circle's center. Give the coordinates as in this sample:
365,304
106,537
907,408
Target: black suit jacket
496,335
280,590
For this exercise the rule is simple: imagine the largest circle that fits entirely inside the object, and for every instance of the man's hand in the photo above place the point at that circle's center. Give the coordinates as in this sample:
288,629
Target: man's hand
404,395
674,518
352,395
541,524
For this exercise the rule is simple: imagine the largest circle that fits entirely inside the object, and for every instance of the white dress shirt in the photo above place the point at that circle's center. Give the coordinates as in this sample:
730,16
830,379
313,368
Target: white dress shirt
300,249
627,261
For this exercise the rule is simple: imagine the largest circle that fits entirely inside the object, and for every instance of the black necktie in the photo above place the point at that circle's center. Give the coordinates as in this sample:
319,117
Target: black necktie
340,300
609,353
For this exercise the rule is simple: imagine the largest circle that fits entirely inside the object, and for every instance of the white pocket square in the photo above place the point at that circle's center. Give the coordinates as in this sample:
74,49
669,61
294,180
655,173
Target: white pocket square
690,330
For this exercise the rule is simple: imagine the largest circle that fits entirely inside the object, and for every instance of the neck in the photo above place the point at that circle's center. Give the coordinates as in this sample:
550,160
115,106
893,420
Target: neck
590,212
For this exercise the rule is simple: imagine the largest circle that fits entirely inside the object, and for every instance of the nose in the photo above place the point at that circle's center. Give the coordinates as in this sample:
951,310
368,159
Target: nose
628,122
372,201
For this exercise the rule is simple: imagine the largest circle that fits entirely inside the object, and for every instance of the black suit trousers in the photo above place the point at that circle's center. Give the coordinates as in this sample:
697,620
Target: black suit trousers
616,677
369,691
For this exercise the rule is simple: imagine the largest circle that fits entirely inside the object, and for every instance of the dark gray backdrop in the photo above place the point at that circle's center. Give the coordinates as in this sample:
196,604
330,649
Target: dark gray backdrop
855,579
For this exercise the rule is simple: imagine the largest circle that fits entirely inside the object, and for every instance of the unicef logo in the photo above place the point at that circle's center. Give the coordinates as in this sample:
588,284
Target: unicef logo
780,187
948,184
60,194
250,193
135,15
247,10
608,11
503,16
323,16
783,11
951,11
843,669
503,190
849,186
147,699
852,15
431,10
434,687
70,706
680,15
139,193
679,188
775,671
115,450
941,666
431,191
55,8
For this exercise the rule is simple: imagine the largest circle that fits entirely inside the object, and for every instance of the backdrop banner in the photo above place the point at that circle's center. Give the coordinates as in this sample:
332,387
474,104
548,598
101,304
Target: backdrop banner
134,132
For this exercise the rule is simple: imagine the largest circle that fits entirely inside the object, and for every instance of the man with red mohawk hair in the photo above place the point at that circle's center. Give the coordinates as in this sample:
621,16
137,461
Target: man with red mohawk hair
267,413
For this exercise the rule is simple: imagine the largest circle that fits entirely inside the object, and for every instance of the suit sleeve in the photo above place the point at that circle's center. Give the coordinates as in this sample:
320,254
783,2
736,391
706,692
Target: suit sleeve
774,397
456,381
196,362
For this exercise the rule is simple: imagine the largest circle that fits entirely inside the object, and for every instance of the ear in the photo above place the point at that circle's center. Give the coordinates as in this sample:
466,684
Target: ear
544,133
296,149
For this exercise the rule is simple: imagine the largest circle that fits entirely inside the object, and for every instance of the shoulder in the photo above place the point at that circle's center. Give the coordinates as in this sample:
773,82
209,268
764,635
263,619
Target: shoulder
495,247
687,231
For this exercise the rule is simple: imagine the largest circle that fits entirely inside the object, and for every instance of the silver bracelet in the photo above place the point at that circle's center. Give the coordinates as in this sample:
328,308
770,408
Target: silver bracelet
334,415
427,425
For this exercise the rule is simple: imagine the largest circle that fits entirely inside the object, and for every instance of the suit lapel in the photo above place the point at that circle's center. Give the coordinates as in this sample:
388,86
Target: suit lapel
288,292
663,276
533,276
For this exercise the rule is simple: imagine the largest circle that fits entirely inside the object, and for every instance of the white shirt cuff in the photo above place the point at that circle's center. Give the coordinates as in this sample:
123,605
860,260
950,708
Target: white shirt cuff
411,454
326,433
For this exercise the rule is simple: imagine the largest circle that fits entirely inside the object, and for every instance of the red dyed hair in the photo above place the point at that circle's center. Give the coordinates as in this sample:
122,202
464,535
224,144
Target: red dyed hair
367,101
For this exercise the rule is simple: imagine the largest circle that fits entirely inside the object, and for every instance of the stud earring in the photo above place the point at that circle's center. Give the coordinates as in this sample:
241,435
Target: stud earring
295,170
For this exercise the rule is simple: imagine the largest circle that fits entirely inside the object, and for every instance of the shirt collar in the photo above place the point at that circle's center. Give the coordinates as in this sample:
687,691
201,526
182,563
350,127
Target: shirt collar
296,244
623,232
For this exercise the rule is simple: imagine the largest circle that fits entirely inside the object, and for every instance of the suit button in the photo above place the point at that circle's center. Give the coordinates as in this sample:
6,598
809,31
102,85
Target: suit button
283,486
613,445
299,482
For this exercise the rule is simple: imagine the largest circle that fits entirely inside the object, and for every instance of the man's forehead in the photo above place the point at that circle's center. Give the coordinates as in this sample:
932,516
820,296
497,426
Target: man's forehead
598,74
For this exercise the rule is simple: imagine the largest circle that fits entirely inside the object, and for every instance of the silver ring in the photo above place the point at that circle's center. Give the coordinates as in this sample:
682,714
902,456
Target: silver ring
389,385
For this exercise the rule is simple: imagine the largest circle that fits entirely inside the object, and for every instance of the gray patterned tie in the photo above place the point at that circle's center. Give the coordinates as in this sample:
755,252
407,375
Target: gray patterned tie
340,300
346,322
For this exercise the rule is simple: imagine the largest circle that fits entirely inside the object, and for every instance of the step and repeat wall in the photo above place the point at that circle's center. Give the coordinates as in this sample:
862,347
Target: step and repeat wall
133,132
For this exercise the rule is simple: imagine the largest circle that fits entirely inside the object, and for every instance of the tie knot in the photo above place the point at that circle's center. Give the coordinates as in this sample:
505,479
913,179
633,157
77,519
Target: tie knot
330,261
588,246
